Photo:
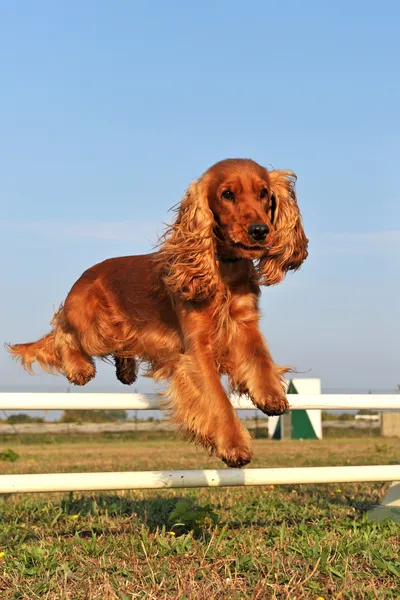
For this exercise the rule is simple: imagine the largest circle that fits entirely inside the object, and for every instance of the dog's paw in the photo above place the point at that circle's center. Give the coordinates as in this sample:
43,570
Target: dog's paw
81,377
126,370
273,404
126,378
237,459
235,453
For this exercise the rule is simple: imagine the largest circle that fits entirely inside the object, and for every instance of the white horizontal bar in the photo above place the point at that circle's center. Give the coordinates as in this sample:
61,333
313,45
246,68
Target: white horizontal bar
65,401
69,482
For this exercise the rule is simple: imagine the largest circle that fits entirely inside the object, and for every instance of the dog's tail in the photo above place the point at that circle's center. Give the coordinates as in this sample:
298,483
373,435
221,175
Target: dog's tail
44,351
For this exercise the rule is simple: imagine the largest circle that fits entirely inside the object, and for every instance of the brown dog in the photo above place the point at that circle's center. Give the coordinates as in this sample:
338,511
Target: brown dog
190,310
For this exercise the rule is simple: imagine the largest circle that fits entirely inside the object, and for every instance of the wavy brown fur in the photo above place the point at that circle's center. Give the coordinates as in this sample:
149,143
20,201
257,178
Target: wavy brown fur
186,256
289,248
189,311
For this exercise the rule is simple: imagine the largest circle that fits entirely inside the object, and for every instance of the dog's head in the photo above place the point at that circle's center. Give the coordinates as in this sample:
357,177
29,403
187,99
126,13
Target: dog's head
236,210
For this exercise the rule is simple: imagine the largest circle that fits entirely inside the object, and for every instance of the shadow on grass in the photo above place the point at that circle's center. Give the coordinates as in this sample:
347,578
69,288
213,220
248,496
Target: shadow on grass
153,512
182,514
85,515
167,512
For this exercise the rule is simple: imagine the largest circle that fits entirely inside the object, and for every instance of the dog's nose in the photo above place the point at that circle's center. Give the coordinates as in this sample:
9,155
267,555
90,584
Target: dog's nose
258,231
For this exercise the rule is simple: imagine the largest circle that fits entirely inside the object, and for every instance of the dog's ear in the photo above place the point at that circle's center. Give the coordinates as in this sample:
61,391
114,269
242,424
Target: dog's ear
289,244
187,252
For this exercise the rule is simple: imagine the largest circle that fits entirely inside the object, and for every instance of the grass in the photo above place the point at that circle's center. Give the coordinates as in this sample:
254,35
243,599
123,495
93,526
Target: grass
290,542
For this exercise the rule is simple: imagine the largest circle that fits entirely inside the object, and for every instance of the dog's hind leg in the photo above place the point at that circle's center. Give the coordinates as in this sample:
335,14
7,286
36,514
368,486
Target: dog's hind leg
78,367
57,352
125,369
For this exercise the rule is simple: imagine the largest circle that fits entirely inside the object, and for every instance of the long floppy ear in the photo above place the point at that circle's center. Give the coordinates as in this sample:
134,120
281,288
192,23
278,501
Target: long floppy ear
289,245
187,252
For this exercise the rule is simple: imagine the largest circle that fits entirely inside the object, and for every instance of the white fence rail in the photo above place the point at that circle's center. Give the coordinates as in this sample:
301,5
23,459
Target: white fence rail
135,480
65,401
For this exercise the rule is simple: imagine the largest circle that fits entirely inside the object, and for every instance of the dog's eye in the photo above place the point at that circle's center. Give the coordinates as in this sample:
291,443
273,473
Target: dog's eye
263,193
272,208
228,195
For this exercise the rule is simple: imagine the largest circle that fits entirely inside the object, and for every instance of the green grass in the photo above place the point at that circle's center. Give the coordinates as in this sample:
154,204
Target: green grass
258,543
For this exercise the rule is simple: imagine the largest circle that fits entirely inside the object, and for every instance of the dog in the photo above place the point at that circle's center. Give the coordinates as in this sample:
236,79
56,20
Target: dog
189,311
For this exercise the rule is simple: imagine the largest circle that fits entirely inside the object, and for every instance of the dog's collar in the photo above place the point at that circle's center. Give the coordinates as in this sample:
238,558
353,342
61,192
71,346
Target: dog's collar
228,259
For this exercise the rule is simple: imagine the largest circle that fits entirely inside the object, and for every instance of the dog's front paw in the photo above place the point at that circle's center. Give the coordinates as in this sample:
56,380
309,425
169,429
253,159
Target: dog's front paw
235,451
236,458
274,404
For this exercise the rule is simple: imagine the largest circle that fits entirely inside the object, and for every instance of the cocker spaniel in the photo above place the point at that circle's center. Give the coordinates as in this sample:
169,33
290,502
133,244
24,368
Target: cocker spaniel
189,311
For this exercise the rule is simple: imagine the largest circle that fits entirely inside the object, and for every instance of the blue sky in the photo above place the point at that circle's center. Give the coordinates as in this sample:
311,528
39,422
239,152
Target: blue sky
110,109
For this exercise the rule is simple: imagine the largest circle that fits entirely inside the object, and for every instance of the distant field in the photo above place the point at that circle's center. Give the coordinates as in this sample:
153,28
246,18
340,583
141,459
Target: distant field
330,428
271,542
